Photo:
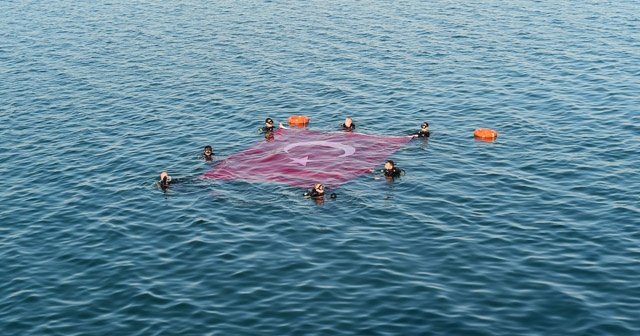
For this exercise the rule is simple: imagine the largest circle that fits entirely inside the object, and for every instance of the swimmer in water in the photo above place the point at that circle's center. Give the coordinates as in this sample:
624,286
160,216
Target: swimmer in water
165,180
390,171
268,127
318,191
207,155
317,194
348,125
423,132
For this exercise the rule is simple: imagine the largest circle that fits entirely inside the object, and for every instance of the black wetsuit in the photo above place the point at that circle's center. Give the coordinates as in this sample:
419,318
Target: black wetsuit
349,128
164,183
393,172
314,193
267,129
422,134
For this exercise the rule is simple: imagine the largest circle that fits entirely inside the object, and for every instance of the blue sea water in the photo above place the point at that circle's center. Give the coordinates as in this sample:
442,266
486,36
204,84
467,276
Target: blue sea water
536,233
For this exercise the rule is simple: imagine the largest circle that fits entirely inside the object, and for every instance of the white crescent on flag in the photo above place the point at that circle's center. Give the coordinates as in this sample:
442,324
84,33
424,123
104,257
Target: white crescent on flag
348,150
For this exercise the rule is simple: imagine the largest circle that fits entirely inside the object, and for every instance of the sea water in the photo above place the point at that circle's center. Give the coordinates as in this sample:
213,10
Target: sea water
536,233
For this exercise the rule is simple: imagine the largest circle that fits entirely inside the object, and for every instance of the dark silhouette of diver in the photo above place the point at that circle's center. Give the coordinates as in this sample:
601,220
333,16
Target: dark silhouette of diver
318,192
423,132
165,180
268,127
208,154
348,125
390,171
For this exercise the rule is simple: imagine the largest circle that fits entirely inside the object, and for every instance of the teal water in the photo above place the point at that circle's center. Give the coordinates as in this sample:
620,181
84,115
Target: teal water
533,234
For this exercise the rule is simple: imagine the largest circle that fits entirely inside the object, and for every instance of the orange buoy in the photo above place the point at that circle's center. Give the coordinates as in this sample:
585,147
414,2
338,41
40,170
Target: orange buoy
485,134
298,120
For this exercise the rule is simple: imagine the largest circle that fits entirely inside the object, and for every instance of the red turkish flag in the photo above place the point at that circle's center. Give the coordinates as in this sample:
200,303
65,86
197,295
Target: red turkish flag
300,158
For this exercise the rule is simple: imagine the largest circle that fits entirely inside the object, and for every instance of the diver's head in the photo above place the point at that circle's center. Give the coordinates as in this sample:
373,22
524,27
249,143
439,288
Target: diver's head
319,188
165,179
389,165
208,150
425,126
269,122
348,121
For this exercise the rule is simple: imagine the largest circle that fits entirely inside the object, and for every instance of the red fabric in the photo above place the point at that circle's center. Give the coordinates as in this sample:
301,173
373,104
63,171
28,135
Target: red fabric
300,158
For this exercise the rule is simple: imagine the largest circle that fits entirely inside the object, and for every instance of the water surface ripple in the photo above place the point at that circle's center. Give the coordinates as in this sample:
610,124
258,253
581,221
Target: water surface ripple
533,234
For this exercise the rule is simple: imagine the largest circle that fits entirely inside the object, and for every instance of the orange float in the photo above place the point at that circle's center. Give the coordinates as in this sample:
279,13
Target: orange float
485,134
298,120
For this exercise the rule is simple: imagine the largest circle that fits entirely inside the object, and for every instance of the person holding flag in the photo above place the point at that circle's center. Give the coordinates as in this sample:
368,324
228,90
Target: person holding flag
348,125
423,132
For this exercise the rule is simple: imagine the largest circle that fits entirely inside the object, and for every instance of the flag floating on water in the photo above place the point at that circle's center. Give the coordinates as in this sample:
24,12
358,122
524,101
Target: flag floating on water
299,157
